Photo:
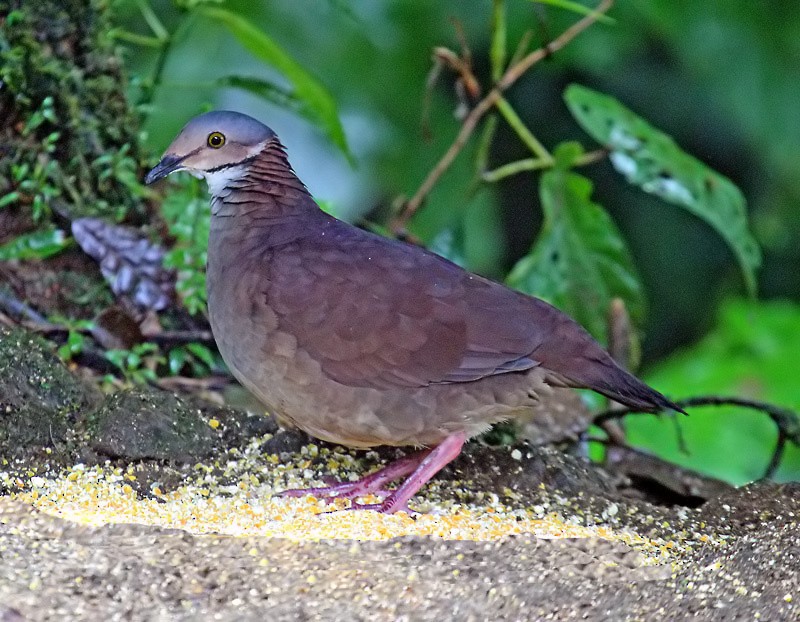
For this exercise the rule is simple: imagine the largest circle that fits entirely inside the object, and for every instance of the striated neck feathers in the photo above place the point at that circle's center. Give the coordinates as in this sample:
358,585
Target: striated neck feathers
262,187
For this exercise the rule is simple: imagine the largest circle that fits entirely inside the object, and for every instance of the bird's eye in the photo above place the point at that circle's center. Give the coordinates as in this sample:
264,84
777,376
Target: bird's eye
216,140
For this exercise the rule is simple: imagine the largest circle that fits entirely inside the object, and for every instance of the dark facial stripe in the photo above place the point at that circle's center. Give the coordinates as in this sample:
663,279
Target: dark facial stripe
222,167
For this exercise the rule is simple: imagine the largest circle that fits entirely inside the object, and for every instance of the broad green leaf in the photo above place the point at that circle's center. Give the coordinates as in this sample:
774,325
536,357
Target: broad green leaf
202,353
35,245
266,90
318,104
579,261
576,7
752,352
650,159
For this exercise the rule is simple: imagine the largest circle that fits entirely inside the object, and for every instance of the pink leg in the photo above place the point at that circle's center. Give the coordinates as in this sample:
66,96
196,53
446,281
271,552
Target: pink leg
435,461
371,484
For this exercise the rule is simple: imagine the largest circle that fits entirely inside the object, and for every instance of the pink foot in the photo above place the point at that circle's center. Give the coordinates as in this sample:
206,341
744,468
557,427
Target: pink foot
378,507
372,484
422,466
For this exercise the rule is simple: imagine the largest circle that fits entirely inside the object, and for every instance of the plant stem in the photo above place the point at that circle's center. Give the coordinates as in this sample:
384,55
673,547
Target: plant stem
522,47
483,153
591,157
498,49
535,164
512,168
787,421
484,146
525,135
515,71
152,20
137,39
492,97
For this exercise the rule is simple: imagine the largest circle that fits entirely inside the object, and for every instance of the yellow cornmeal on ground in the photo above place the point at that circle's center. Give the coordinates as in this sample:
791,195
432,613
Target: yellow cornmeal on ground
246,505
94,496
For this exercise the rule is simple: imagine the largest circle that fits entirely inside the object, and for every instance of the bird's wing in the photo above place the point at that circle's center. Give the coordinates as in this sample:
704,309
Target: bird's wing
379,313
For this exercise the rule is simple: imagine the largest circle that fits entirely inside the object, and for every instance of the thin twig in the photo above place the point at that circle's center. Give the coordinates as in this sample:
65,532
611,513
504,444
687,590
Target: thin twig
513,168
786,420
525,135
512,74
169,339
467,127
15,307
777,455
185,383
14,310
515,71
536,164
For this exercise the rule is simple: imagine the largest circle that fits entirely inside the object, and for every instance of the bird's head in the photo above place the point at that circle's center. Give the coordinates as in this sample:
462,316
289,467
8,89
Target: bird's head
215,145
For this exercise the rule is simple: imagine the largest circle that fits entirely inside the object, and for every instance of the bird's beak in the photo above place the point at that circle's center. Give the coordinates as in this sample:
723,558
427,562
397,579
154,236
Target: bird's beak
169,164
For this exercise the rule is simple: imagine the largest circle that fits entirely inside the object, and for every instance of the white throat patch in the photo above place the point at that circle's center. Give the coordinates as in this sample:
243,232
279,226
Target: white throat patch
217,180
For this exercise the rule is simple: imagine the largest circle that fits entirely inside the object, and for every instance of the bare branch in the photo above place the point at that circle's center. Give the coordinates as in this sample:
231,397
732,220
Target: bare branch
470,122
786,420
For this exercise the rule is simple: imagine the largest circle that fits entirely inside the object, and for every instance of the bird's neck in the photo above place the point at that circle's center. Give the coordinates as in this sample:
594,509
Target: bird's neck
262,188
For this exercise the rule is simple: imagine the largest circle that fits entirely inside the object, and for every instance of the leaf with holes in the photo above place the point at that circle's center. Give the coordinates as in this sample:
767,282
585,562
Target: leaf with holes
650,159
318,104
579,261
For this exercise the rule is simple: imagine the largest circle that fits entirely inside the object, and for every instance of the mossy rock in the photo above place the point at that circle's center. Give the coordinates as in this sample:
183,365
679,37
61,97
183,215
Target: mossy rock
40,400
43,406
68,135
149,424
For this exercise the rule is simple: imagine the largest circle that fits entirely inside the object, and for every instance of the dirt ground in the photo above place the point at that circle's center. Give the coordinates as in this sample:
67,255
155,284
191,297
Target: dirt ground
56,570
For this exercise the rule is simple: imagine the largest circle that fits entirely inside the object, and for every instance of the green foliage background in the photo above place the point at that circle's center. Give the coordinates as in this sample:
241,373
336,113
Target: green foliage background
343,84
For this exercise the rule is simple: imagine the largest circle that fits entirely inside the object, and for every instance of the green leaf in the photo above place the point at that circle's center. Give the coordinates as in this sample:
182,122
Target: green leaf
35,245
650,159
11,197
579,261
266,90
318,104
202,353
576,7
567,154
329,207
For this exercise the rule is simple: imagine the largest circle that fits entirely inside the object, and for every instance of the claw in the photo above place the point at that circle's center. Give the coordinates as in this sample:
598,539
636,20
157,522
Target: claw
383,508
336,490
419,467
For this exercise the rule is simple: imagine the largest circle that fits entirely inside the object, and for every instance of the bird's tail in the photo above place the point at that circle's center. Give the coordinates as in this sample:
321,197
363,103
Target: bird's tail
607,377
575,359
